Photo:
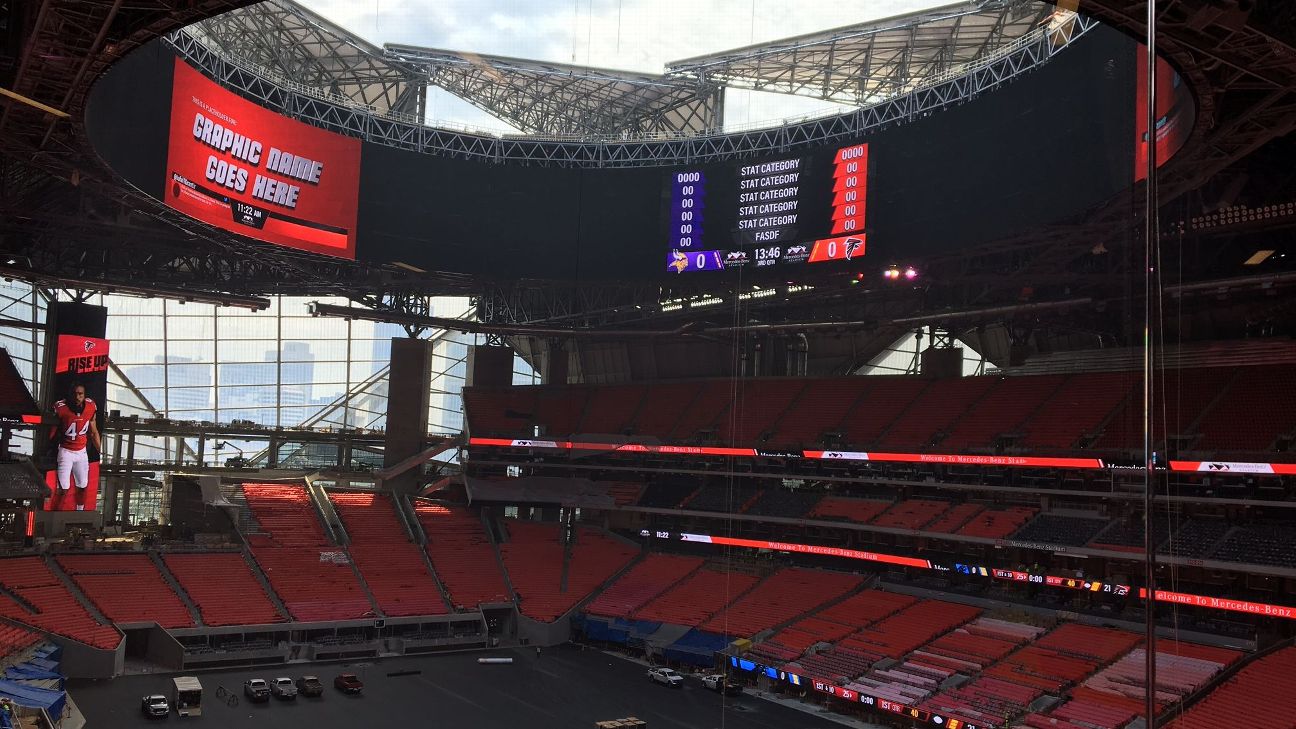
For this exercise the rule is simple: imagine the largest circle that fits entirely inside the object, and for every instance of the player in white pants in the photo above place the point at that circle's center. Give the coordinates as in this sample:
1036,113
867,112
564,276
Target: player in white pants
76,429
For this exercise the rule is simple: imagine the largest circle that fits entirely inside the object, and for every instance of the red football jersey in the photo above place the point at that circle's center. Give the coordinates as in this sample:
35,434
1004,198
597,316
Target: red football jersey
74,426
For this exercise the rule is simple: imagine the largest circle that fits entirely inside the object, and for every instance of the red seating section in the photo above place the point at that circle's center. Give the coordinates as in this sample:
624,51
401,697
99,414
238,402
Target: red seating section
1050,664
298,560
1260,696
462,555
57,609
533,556
499,411
934,411
782,596
390,563
697,597
1076,409
911,514
646,580
879,407
839,507
822,406
560,409
757,409
954,518
706,411
1188,392
837,621
1002,409
127,588
997,523
224,589
610,409
14,639
865,608
1047,413
663,406
1259,406
910,628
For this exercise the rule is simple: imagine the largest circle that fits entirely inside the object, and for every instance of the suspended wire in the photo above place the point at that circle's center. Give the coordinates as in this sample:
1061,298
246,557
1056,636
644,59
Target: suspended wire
1151,260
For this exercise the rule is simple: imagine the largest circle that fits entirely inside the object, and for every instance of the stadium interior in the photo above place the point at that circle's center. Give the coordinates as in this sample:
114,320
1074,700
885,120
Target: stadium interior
966,401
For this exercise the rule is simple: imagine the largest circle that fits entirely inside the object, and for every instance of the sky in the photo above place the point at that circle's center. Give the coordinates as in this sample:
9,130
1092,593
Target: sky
634,35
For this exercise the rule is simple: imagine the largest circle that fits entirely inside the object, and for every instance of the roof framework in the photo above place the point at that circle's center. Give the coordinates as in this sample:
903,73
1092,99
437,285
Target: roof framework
869,62
299,47
860,64
552,98
619,149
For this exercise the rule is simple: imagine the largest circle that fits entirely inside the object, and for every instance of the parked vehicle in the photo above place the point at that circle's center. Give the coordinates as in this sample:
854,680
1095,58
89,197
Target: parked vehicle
720,684
310,686
348,683
666,677
256,689
155,707
283,688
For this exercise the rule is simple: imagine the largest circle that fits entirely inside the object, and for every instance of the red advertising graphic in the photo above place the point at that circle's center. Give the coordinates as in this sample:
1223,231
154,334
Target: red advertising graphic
248,170
78,354
1174,113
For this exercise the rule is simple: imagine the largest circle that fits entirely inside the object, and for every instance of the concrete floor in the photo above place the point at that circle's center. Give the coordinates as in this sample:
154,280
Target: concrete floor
566,688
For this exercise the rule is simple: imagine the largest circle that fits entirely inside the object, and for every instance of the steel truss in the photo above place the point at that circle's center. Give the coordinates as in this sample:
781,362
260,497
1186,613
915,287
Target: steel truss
976,78
553,98
303,49
869,62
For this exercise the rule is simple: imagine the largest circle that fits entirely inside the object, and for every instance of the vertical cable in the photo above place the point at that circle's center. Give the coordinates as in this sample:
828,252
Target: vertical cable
1149,465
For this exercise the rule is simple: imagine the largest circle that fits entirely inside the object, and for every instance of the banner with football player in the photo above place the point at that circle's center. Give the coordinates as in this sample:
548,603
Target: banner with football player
76,384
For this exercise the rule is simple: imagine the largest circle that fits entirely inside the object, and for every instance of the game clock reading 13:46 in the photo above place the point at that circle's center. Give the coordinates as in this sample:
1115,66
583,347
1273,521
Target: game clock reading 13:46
781,211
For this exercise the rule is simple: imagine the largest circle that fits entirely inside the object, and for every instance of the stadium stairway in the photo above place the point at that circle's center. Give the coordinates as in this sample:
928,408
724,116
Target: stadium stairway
73,588
328,516
180,592
492,531
419,537
265,583
364,585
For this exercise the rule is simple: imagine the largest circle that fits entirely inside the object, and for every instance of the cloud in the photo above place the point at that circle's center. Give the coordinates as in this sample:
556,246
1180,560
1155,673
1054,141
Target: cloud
634,35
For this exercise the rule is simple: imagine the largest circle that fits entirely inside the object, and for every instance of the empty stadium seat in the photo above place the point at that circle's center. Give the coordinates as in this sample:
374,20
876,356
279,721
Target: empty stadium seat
652,576
784,595
534,556
127,588
696,598
313,577
392,566
52,606
224,588
462,554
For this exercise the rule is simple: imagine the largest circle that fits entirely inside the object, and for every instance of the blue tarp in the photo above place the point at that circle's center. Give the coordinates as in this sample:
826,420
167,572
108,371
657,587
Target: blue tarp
30,670
36,698
601,629
696,648
700,641
48,664
637,628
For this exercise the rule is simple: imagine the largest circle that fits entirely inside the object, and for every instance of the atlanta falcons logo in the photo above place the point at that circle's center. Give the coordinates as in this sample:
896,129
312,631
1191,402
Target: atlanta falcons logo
852,245
89,345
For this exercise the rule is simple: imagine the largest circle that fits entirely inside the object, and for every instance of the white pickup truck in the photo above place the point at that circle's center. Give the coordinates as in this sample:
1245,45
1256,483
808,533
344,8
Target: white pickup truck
718,683
666,677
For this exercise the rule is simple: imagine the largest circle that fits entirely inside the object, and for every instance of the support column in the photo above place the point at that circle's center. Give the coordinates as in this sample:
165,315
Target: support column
408,398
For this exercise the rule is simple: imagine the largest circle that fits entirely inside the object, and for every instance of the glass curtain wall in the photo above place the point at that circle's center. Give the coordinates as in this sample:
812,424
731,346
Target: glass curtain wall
275,368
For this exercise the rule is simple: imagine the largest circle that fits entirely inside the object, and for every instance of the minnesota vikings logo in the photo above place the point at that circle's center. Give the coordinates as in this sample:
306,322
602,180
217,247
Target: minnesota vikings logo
679,261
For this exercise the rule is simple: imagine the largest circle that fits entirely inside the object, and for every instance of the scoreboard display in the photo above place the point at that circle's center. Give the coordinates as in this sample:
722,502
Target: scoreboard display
783,211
